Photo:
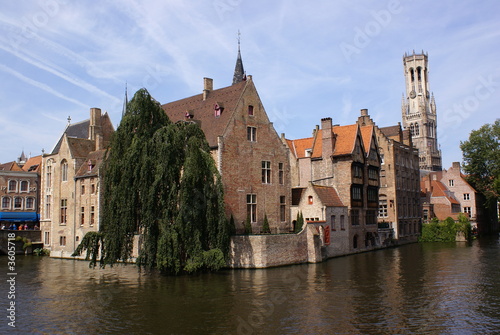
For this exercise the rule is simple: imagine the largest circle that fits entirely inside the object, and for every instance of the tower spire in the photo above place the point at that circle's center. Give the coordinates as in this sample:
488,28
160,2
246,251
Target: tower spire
239,72
125,102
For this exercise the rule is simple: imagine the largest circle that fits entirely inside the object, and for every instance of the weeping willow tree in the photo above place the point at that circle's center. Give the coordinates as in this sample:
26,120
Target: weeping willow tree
161,183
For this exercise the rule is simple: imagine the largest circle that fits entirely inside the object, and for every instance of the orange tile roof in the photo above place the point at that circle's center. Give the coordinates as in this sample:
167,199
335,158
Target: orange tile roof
299,147
203,111
328,196
366,135
33,164
346,139
10,166
439,190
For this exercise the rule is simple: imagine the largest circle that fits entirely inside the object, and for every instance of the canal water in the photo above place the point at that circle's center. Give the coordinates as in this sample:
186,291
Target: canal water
413,289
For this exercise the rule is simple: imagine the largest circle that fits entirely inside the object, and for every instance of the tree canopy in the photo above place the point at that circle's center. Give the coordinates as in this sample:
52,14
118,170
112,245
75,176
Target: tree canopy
160,183
481,155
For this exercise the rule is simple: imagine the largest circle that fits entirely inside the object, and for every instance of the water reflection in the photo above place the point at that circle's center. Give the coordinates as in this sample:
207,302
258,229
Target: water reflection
414,289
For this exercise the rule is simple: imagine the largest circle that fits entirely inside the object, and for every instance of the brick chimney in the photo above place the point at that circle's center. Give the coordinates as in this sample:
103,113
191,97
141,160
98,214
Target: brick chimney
95,131
208,85
327,136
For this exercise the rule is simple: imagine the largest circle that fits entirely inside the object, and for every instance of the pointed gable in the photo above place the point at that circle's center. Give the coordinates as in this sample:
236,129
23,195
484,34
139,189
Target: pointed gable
300,147
203,111
346,139
367,136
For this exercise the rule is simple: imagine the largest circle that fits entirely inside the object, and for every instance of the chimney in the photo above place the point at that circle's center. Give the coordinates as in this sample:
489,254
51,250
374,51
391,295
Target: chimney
364,112
95,123
208,85
456,166
327,136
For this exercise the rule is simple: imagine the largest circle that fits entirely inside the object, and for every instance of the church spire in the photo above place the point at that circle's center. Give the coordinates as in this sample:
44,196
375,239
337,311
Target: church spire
125,102
239,72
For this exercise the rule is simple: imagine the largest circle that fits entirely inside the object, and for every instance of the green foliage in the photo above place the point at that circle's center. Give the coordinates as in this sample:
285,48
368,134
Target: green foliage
26,241
300,223
91,242
232,225
248,226
41,252
481,155
445,231
161,182
265,226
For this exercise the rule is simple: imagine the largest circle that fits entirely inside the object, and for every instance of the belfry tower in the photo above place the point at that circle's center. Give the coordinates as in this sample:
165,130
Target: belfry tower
418,110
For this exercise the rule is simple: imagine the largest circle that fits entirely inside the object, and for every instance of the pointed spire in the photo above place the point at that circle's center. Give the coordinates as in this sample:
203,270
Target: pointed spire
239,72
125,101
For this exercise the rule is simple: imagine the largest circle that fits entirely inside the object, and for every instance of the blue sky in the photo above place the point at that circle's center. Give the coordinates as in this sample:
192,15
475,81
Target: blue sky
308,59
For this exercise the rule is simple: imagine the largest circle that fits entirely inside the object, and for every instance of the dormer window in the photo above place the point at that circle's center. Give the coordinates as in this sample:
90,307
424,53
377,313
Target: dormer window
250,110
218,109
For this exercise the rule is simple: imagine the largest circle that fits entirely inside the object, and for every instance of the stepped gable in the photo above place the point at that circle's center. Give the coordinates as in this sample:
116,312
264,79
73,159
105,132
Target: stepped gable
328,196
203,112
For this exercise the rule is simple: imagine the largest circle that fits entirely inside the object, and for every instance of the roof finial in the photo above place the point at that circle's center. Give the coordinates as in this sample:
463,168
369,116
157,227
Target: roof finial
69,120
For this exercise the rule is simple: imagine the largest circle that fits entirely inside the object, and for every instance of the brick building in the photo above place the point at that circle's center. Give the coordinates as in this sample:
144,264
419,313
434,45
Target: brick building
20,192
322,206
399,197
249,154
345,158
446,193
70,183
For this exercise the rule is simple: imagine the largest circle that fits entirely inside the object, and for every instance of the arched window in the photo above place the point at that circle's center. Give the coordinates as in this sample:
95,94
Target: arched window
417,130
12,185
419,73
412,130
64,170
18,203
412,75
30,203
24,186
6,203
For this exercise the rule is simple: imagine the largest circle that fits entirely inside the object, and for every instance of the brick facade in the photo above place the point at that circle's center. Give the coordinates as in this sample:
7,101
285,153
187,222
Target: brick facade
249,154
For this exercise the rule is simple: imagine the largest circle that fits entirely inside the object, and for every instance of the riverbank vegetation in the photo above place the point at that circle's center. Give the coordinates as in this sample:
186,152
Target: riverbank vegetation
160,183
447,230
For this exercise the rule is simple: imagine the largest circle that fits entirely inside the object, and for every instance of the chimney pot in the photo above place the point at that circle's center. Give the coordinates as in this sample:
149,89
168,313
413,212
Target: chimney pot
364,112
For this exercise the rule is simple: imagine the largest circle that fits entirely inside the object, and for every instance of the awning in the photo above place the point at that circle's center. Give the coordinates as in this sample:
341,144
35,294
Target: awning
19,216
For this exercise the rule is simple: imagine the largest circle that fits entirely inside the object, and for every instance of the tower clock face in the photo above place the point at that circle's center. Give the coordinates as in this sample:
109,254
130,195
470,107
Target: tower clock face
412,94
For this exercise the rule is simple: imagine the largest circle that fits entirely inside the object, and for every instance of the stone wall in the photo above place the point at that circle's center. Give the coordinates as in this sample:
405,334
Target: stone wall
262,251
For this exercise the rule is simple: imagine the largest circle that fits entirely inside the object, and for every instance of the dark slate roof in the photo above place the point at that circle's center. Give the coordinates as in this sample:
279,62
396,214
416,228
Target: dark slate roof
203,111
77,130
328,196
390,131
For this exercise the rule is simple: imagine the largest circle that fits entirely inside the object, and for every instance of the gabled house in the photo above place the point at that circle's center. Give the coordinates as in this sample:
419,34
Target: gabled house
447,193
399,206
61,198
345,158
249,154
323,210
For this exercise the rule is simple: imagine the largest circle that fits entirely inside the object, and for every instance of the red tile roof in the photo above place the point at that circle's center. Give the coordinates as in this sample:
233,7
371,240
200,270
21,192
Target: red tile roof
328,196
95,158
10,166
203,111
299,147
